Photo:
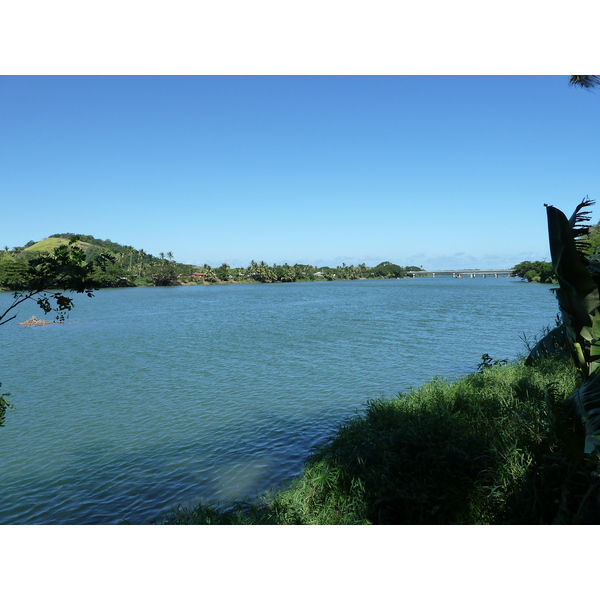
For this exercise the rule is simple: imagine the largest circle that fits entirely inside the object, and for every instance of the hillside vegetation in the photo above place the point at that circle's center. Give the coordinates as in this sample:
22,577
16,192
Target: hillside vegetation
51,243
131,267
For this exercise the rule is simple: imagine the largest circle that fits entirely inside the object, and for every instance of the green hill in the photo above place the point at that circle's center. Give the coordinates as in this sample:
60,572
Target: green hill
93,247
125,266
50,243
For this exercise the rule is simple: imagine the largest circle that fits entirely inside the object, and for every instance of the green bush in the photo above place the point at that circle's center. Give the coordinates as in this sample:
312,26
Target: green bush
13,274
539,271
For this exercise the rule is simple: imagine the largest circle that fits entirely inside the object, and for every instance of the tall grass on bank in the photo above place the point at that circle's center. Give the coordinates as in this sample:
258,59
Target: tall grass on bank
496,447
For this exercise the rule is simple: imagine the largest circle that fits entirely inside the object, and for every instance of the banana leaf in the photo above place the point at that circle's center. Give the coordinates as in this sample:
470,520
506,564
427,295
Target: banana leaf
578,296
586,400
554,341
592,336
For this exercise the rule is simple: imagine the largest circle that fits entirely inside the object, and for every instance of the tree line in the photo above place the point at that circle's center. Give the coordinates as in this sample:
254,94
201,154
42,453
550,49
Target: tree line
126,266
265,273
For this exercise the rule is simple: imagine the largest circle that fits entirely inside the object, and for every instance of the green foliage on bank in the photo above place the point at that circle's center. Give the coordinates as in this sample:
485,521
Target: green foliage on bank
499,446
538,271
124,266
592,241
131,267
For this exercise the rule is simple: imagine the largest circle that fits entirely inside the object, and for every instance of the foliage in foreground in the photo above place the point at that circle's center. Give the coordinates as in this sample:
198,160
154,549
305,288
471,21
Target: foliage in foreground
65,269
498,446
578,275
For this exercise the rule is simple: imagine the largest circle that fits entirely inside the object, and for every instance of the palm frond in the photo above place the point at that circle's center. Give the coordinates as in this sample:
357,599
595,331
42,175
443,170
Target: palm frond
577,218
585,81
578,294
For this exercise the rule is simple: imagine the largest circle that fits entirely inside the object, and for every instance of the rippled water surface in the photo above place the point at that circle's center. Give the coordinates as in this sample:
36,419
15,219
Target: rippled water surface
151,397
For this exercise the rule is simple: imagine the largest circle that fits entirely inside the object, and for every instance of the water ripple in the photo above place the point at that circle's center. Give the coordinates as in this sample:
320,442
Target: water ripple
152,397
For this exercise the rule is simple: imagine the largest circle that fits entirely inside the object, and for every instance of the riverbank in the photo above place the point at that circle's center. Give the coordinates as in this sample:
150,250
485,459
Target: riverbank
496,447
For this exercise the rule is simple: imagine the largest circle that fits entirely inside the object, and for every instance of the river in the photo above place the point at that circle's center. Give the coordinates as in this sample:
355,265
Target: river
147,398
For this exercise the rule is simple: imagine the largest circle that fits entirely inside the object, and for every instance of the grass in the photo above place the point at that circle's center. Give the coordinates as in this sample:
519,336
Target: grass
496,447
49,244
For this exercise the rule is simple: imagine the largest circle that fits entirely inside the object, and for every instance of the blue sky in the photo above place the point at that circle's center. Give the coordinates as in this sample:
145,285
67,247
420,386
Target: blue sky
439,171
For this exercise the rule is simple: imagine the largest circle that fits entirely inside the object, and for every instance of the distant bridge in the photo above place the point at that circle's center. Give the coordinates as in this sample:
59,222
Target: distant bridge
460,273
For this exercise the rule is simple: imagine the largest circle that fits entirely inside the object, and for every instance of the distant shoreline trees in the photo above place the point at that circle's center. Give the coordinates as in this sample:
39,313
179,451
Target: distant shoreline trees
129,267
538,271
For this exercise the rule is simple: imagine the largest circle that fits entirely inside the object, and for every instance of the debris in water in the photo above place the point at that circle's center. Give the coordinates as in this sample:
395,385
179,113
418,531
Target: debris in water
35,321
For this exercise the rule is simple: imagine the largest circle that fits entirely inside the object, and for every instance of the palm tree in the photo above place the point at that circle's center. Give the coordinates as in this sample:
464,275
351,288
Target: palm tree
251,269
170,255
585,81
223,272
130,251
209,272
142,254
